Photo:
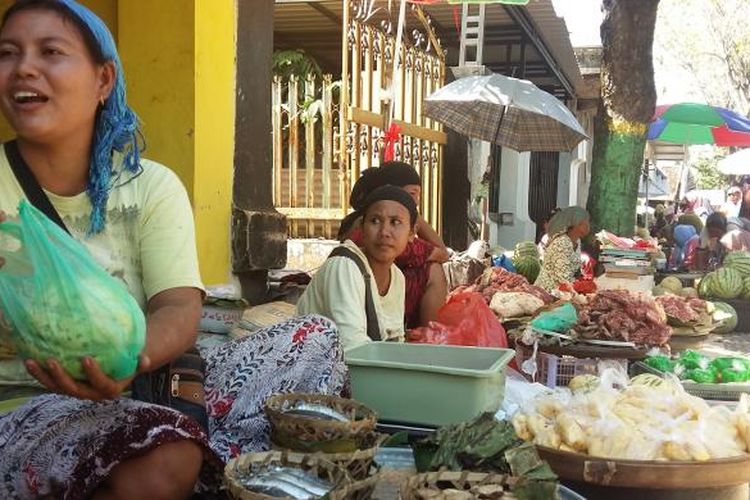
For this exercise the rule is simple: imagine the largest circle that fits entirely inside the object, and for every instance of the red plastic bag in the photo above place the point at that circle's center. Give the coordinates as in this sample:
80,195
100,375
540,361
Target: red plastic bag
465,319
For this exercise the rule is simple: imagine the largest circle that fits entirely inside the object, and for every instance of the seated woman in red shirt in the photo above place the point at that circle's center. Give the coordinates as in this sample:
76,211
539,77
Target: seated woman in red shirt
421,262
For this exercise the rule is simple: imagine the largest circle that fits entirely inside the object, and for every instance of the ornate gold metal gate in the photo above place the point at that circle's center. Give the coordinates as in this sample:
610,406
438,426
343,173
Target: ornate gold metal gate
320,150
368,94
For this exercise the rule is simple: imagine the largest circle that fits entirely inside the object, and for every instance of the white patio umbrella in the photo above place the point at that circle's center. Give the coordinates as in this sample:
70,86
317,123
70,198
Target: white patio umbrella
507,111
736,164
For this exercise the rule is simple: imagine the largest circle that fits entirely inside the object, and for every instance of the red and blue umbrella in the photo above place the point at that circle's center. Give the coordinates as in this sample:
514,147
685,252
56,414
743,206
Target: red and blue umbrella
693,123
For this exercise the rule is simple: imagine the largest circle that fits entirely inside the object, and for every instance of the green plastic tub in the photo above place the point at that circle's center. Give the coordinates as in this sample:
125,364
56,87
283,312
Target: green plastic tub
428,384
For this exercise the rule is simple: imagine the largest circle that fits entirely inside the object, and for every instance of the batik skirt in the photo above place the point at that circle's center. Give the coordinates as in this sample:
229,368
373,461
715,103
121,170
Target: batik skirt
64,447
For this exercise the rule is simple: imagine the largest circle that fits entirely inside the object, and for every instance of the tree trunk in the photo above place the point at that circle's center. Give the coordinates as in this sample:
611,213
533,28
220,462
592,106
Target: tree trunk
628,99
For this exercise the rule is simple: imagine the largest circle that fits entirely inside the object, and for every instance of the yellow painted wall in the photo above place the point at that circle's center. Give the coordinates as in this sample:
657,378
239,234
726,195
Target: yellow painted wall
156,48
179,61
215,54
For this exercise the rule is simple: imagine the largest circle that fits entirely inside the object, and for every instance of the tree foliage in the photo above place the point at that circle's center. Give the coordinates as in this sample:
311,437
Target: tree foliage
707,172
710,41
297,62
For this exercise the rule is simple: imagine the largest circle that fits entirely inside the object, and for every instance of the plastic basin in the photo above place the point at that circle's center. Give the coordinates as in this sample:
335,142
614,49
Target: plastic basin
427,384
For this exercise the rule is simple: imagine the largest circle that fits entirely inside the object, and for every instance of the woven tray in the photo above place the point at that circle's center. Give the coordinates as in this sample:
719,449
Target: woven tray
311,435
236,468
462,481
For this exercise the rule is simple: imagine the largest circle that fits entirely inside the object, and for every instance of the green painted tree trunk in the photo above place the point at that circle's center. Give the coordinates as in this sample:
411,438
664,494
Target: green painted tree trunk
628,99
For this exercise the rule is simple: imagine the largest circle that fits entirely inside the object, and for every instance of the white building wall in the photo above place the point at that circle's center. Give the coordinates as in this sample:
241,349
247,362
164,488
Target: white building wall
513,206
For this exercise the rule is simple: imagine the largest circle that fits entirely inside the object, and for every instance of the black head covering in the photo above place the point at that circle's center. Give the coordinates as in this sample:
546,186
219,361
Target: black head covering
390,193
717,220
393,173
397,173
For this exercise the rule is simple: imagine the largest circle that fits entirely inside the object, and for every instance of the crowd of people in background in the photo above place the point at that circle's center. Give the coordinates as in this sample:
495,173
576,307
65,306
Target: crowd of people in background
697,235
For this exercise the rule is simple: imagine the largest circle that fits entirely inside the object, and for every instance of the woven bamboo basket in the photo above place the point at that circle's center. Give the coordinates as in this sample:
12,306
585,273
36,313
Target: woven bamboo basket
312,435
463,481
358,490
358,463
239,467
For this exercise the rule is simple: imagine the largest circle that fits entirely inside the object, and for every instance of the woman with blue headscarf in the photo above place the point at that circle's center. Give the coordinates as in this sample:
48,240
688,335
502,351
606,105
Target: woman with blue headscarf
686,243
63,92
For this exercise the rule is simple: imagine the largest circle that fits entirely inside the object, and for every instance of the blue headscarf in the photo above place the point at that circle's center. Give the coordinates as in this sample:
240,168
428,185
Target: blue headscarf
683,233
116,127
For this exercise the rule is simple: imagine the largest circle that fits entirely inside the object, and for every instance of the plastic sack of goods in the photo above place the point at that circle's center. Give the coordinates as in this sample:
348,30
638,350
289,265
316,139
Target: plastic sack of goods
60,304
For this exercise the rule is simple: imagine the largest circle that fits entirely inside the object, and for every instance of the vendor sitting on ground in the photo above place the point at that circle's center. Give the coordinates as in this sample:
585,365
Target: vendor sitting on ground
339,290
686,243
712,250
421,262
562,259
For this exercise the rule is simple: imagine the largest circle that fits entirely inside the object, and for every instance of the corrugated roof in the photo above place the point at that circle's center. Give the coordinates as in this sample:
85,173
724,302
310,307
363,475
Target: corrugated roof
313,25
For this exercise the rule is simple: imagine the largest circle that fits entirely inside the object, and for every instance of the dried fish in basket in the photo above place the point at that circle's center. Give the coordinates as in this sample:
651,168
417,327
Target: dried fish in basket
462,485
316,422
273,475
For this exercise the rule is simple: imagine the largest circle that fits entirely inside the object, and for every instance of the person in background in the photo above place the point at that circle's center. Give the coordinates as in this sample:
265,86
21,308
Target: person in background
686,242
660,221
338,290
737,236
562,261
697,205
711,249
542,245
733,204
421,261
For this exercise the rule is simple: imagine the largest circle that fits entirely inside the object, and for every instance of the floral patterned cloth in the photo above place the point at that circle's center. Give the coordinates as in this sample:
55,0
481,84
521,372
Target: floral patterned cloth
65,447
562,261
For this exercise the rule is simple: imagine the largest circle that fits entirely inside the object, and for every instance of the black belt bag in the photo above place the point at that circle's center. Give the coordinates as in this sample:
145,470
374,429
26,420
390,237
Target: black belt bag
177,385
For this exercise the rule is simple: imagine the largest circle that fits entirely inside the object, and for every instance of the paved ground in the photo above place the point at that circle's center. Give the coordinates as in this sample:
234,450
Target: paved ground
732,344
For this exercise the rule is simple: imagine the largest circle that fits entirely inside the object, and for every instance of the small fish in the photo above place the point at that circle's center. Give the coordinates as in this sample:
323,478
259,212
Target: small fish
320,412
278,481
276,488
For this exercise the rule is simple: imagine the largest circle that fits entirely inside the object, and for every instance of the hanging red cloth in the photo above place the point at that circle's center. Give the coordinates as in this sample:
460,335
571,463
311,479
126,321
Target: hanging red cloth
391,137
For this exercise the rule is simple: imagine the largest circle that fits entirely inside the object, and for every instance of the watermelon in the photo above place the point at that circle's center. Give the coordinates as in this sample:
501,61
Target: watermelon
688,292
671,284
745,288
649,380
526,249
728,324
528,267
704,286
739,261
726,283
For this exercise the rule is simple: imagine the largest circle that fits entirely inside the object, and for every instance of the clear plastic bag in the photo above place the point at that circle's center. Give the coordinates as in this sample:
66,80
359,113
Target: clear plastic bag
61,304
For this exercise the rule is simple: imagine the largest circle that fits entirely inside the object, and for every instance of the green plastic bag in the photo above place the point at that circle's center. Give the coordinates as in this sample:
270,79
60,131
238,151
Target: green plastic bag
61,304
560,319
661,363
701,375
730,375
737,364
693,360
